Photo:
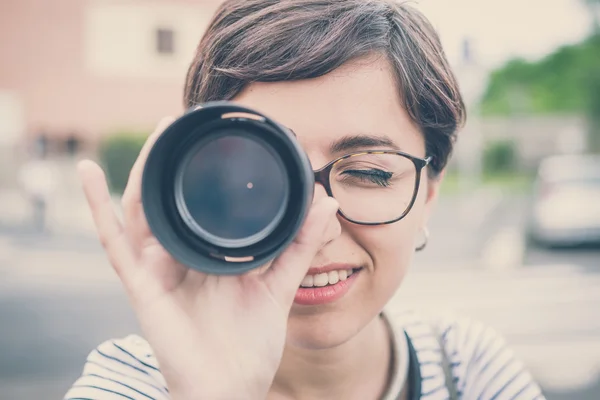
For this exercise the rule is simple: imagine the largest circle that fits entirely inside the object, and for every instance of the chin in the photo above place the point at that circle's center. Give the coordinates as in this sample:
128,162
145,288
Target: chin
322,330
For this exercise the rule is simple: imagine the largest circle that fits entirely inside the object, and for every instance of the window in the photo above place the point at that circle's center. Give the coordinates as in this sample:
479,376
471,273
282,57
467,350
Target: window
165,41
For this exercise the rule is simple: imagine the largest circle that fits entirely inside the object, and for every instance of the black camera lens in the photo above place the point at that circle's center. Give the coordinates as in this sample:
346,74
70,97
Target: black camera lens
225,189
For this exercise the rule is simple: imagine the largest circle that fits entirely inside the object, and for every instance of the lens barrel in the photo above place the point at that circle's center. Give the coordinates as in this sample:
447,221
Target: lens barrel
225,189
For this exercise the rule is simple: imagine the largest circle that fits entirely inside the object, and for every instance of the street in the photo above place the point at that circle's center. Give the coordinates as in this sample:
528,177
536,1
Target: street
59,299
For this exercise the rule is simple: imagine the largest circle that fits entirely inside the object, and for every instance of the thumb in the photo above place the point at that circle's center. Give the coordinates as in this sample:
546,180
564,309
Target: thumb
287,271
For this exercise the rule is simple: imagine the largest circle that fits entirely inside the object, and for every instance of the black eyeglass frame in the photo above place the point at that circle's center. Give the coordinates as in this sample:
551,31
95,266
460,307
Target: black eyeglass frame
323,176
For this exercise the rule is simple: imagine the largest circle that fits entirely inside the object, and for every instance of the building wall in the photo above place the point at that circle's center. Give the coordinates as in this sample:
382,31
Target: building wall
90,67
120,39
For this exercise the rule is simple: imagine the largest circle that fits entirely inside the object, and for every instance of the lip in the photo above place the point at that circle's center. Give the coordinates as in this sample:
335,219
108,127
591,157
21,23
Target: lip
326,294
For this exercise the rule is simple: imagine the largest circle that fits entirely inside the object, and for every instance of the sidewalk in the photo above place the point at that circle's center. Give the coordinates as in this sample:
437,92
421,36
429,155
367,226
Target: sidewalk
14,208
67,213
43,269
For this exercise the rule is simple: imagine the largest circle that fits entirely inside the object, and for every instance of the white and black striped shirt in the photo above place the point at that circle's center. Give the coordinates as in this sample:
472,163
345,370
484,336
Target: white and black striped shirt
481,365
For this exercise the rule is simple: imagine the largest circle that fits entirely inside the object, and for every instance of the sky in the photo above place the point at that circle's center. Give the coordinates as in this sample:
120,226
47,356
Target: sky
502,29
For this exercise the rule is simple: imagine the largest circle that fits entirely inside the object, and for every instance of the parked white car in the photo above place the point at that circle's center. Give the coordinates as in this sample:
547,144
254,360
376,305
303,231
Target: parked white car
565,209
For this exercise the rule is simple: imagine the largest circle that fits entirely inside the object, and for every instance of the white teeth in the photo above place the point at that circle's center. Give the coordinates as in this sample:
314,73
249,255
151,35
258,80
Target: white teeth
307,281
333,277
321,280
326,278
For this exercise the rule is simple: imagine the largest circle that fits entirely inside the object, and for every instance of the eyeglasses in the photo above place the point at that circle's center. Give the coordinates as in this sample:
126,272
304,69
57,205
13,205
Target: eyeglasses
373,187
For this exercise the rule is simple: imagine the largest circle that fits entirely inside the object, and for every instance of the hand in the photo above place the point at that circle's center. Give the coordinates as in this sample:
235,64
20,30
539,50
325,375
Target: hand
215,337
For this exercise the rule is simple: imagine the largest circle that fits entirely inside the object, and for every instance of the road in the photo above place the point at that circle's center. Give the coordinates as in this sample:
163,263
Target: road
59,299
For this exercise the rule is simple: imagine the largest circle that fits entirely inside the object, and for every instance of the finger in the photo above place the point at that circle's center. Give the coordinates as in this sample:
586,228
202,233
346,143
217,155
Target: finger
288,270
109,228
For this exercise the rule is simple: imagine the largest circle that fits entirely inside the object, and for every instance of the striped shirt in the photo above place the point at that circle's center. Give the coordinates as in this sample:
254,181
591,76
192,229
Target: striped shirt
480,364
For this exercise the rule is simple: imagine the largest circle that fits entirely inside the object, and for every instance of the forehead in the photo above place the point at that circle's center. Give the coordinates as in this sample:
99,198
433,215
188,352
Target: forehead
359,98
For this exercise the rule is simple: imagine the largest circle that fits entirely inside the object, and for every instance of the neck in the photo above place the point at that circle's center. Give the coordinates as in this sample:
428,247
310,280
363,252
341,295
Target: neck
357,369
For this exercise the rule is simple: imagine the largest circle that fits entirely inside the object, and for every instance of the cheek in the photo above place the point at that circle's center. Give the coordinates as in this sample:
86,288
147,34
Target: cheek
390,247
393,246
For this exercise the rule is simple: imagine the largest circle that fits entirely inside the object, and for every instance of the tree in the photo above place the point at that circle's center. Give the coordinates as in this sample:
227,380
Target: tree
592,109
555,84
593,75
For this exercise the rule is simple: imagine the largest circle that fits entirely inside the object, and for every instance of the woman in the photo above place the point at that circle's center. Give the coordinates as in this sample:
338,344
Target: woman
346,76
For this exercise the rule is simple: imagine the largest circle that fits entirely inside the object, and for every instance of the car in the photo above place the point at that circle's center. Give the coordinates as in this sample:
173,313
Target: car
565,207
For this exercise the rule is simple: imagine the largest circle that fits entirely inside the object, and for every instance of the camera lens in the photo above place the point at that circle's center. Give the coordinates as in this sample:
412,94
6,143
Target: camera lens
232,190
225,189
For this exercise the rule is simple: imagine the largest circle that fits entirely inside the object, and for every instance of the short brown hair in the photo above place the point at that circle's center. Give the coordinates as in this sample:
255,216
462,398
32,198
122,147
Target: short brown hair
282,40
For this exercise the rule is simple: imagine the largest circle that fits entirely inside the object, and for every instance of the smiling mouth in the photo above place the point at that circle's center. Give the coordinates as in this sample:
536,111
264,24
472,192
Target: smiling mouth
327,278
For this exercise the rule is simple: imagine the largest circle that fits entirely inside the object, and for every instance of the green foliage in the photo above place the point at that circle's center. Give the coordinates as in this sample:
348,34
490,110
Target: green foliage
118,153
592,93
499,157
559,83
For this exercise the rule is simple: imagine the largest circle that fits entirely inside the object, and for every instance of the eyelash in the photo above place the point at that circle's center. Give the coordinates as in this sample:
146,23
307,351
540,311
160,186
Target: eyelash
381,178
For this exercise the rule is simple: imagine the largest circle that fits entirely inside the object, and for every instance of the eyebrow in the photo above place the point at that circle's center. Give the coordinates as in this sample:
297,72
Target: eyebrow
360,142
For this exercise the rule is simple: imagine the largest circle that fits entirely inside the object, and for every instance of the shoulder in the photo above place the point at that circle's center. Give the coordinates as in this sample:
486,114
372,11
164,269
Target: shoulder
481,363
120,368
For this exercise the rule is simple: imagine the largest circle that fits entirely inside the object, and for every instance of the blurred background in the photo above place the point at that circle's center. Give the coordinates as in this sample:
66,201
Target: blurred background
515,241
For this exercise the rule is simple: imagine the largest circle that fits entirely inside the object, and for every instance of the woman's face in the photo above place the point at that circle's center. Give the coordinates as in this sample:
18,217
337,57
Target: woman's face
359,99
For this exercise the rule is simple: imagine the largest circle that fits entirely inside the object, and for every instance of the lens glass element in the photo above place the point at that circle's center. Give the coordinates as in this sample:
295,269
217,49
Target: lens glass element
232,189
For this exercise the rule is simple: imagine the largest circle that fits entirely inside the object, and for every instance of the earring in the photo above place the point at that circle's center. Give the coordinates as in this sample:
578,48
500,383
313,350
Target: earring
426,239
